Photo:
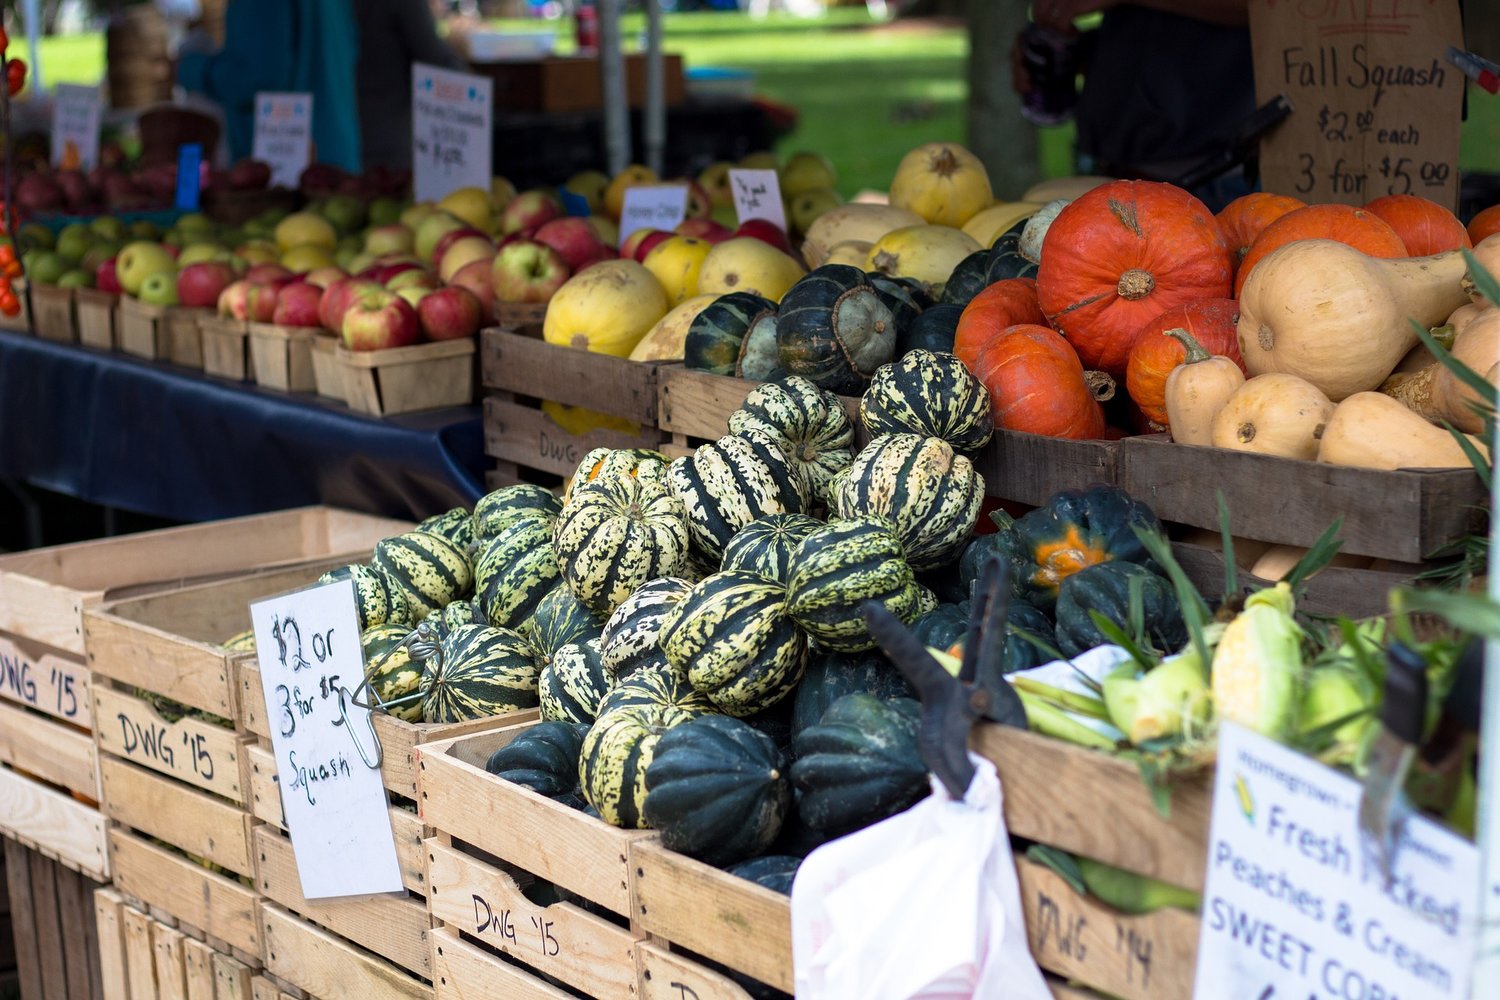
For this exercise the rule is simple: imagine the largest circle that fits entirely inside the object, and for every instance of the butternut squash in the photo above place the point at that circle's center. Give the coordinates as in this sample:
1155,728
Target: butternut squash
1274,414
1464,315
1371,430
1278,560
1487,252
1197,390
1437,394
1329,314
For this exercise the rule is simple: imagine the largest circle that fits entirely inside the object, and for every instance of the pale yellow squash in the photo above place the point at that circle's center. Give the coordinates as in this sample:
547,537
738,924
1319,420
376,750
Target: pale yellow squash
1371,430
1273,414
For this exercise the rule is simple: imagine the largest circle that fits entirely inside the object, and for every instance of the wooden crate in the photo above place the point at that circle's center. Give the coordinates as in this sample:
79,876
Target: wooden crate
463,971
328,374
140,330
226,347
408,379
146,956
1403,515
55,945
96,312
694,406
184,338
282,356
519,371
329,967
221,907
53,308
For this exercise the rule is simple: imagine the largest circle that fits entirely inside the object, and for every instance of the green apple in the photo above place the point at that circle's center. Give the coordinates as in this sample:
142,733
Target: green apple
258,228
807,172
258,251
48,266
384,211
140,260
803,209
107,227
144,229
414,215
74,239
76,278
346,212
35,236
432,229
160,289
195,222
197,253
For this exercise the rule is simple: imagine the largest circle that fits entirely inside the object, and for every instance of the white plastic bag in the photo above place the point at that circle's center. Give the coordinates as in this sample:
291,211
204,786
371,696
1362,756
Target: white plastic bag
922,906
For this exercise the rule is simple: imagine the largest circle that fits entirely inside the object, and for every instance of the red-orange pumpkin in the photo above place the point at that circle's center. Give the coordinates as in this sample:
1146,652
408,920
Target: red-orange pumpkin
1425,227
1484,225
1212,322
989,314
1364,231
1038,386
1248,215
1121,254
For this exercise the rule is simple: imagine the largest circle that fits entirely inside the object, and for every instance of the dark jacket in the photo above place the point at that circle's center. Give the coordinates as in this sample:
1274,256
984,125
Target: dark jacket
393,34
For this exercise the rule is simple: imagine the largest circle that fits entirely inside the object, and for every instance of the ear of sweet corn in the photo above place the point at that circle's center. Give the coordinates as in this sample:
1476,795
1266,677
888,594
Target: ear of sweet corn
1257,667
1168,700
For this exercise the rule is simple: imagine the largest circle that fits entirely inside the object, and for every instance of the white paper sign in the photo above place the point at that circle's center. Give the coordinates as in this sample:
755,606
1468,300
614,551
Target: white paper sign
656,206
757,195
335,805
1291,908
75,126
283,135
452,115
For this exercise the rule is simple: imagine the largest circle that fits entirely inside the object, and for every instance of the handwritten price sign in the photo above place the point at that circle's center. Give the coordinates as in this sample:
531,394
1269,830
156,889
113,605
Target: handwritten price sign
283,135
757,195
452,116
75,126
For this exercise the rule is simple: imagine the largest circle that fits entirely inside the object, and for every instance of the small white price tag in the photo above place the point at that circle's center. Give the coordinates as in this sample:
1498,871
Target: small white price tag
757,195
452,116
1291,907
335,805
656,206
283,135
75,126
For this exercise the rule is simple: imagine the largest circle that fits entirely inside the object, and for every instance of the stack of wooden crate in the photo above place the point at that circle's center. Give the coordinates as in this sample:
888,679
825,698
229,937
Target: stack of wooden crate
146,954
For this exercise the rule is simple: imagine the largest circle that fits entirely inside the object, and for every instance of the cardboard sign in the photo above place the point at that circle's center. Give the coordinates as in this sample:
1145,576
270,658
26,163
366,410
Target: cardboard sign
335,805
1292,908
757,195
452,115
1375,103
283,135
75,126
652,207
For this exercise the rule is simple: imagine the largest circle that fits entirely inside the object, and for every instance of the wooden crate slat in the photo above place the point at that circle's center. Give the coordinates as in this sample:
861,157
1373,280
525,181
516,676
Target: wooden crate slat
697,404
75,904
1337,590
1401,515
465,971
665,975
329,967
216,905
529,366
527,436
168,810
38,678
196,752
393,926
171,973
1030,469
231,978
49,929
68,829
560,941
50,750
140,959
18,884
110,920
198,970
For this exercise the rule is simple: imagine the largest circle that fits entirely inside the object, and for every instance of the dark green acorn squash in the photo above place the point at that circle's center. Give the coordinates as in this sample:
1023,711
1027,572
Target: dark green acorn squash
934,330
1019,653
833,327
544,758
944,626
1006,260
968,279
932,394
830,676
860,763
759,360
1105,588
769,871
716,790
902,296
716,334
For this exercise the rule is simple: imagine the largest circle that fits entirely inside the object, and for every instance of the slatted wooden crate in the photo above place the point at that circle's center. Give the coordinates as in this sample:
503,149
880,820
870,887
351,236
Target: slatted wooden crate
329,967
519,371
160,333
226,348
52,941
53,308
281,357
96,317
146,956
408,379
492,838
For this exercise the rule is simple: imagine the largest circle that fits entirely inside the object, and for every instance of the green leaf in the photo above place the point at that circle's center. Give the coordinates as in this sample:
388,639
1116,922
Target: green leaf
1155,777
1472,613
1061,863
1318,557
1468,376
1231,564
1373,670
1136,610
1115,634
1483,280
1476,457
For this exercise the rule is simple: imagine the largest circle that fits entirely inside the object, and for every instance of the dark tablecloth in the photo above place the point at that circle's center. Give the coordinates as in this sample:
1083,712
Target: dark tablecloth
176,444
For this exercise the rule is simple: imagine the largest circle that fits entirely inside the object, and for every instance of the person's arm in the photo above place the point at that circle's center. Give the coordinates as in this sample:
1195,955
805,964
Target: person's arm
419,31
256,55
1059,14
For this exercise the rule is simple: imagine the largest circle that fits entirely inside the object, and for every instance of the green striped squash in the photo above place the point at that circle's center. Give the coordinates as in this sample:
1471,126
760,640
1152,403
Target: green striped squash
515,570
616,534
377,600
389,667
495,510
809,424
558,620
932,394
655,684
377,640
458,613
630,636
715,339
925,599
616,752
476,672
574,683
765,546
730,482
430,571
929,492
840,566
643,463
734,639
456,525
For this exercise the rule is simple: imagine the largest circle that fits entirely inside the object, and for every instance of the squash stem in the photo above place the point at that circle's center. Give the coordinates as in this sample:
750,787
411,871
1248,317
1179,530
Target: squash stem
1196,352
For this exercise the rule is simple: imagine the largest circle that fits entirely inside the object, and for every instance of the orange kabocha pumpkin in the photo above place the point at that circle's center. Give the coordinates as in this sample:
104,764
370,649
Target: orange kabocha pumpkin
1484,225
1211,322
1038,386
1248,215
1425,227
989,314
1364,231
1121,254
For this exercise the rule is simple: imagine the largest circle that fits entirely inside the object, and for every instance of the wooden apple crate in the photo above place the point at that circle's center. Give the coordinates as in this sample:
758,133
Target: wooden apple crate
226,348
492,837
52,307
521,317
96,312
328,374
184,338
156,957
50,937
318,964
160,333
520,371
408,379
281,356
21,322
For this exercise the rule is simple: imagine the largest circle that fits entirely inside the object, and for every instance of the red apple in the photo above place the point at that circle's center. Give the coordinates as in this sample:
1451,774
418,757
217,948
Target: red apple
262,299
478,277
377,319
575,241
297,305
704,229
649,242
336,299
699,204
382,273
324,276
766,232
234,301
451,237
530,210
105,278
199,285
449,314
632,242
266,272
527,271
